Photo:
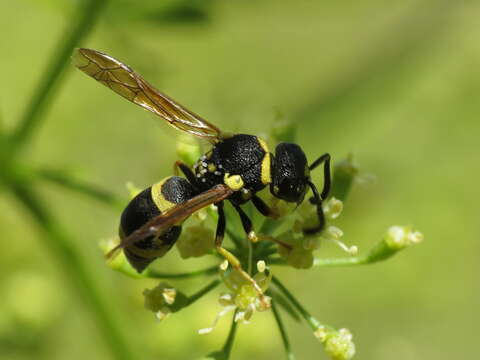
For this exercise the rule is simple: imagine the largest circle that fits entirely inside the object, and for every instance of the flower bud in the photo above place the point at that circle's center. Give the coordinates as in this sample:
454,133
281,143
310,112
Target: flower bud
399,237
188,149
159,299
195,241
332,208
298,254
339,345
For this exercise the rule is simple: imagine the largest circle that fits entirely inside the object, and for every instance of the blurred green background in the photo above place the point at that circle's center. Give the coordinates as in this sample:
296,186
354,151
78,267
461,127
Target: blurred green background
397,84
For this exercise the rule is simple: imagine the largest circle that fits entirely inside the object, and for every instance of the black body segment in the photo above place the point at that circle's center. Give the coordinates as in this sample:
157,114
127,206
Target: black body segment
244,155
290,173
235,169
148,204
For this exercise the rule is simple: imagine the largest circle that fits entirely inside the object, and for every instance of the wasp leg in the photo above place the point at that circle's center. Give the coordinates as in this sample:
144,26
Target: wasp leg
232,259
263,208
192,179
246,223
317,198
327,180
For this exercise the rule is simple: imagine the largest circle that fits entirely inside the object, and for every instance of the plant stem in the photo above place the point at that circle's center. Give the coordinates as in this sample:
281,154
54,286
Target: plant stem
76,271
311,321
356,260
151,273
64,179
203,291
87,14
250,258
283,333
227,348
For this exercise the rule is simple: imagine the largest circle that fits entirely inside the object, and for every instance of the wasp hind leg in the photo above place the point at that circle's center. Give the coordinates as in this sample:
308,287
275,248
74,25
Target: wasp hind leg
232,259
185,169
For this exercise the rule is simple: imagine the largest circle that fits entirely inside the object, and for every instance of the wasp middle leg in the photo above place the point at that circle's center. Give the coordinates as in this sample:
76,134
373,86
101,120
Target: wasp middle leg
232,259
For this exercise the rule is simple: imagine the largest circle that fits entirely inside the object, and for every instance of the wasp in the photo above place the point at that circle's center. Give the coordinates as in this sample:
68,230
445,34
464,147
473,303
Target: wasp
236,168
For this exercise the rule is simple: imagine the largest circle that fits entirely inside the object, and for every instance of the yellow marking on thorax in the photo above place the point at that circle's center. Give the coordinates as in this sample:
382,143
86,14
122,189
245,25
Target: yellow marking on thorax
265,173
234,182
158,198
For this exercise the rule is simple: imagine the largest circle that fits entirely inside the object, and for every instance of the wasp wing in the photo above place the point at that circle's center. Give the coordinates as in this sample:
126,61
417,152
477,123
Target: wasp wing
176,214
127,83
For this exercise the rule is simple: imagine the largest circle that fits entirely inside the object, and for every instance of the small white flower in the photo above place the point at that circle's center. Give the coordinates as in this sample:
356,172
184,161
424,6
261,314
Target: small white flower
332,208
339,344
399,237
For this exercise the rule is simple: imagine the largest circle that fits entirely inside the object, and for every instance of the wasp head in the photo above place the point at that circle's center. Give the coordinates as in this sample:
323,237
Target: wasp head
290,173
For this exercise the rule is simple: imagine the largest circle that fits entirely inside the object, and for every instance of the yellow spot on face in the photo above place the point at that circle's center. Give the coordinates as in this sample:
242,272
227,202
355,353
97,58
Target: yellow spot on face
158,198
211,167
234,182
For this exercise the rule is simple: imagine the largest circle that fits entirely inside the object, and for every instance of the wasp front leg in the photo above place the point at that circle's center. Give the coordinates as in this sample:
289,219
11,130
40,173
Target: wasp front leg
317,197
232,259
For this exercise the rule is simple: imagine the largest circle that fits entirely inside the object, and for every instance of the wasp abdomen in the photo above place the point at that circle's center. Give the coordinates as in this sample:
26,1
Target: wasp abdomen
148,204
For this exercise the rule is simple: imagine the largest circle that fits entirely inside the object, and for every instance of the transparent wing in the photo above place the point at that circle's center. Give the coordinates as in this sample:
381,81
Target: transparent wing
158,225
127,83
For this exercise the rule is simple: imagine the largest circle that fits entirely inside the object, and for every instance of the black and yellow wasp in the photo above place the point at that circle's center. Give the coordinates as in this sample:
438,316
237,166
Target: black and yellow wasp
235,169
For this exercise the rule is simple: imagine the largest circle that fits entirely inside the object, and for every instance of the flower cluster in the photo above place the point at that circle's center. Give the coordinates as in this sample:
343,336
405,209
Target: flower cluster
281,241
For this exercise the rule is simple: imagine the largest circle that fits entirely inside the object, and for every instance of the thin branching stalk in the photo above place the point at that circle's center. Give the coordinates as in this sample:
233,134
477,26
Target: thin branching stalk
283,332
65,180
186,275
227,348
357,260
205,290
311,321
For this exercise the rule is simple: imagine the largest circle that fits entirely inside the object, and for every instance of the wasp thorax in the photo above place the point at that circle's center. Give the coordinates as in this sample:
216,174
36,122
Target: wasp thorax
290,173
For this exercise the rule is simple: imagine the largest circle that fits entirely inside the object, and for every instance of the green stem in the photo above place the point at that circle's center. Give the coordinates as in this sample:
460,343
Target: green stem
227,348
202,292
311,321
83,20
357,260
283,333
151,273
250,258
76,271
64,179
